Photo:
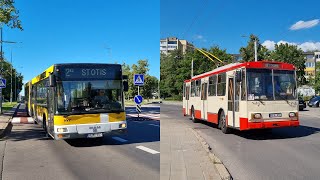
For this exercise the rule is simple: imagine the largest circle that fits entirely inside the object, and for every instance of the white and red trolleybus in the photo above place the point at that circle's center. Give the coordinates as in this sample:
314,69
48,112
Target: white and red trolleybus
243,96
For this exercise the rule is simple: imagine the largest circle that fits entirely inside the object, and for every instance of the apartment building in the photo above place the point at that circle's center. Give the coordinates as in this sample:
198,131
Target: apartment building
170,44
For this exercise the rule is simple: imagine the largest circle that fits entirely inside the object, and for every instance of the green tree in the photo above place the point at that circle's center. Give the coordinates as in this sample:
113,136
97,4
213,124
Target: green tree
9,15
176,67
15,77
293,55
315,82
150,82
247,53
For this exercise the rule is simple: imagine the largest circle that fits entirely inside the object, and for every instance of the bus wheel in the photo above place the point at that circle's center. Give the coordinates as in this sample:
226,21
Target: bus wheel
223,123
193,118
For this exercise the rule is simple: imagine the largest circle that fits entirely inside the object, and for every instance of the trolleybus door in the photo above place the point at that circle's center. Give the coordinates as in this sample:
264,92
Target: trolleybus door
231,97
186,105
233,101
204,101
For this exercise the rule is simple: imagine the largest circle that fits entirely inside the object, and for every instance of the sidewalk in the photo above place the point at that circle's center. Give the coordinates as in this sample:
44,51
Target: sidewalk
182,155
5,119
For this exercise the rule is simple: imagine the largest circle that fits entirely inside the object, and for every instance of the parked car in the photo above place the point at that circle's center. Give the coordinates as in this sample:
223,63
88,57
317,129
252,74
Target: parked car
314,102
302,104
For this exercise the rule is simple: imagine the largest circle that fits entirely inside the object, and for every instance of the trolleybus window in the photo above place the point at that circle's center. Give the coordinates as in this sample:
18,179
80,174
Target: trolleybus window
212,85
263,86
221,85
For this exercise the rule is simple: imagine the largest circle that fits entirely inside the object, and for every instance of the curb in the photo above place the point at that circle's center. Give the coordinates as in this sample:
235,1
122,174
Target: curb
222,170
5,130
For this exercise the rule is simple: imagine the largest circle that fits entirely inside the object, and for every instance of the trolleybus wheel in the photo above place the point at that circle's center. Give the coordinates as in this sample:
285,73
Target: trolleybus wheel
193,118
223,122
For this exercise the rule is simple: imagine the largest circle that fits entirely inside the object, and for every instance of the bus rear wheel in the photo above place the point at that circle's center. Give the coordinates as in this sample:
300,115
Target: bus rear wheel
223,123
193,118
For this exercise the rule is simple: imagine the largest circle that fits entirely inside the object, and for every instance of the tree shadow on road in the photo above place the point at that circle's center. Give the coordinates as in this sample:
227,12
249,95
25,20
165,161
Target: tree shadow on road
279,133
276,133
28,133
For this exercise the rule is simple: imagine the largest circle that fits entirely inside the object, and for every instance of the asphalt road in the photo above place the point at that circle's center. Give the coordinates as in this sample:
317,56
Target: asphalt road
29,155
287,153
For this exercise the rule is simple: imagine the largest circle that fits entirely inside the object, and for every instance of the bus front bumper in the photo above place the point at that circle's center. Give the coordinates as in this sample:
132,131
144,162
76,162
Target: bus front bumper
245,125
89,130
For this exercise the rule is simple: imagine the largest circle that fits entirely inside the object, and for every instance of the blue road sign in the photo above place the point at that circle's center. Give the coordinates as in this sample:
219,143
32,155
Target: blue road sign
138,99
138,79
2,83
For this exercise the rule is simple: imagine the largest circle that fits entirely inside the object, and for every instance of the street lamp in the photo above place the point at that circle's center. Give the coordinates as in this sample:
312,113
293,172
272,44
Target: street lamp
255,48
1,59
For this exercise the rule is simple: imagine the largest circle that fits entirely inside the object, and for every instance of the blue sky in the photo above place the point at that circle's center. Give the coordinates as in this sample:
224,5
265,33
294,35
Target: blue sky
223,22
105,31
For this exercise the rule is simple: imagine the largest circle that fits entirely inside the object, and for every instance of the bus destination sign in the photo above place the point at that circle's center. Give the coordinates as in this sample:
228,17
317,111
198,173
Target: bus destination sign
91,73
269,65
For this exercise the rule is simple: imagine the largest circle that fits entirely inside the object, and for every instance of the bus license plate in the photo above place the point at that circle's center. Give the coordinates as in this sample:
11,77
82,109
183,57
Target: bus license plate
94,135
273,115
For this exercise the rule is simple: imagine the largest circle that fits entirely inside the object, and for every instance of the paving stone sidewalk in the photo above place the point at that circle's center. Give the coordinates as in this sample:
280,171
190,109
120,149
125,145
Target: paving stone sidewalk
182,155
5,119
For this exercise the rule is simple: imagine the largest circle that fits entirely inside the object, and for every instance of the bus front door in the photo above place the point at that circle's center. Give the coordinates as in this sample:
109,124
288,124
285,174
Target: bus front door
51,106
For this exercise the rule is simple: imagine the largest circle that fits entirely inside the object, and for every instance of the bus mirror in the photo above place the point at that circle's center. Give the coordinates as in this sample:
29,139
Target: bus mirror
52,80
239,76
125,86
125,77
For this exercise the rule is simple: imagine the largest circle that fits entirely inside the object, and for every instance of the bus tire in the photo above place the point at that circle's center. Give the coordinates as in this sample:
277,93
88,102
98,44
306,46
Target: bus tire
223,122
193,118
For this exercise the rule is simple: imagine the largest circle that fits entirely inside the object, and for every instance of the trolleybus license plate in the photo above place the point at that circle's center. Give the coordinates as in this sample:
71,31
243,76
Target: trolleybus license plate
95,135
273,115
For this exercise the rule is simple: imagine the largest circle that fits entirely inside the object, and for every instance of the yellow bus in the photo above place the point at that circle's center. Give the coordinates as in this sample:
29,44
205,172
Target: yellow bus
78,100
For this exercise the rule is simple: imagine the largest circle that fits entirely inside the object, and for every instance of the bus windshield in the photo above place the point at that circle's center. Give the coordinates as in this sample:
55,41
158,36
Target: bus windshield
77,97
265,85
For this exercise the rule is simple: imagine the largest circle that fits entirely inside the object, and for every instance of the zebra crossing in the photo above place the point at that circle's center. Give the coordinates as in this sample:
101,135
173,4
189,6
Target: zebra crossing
145,115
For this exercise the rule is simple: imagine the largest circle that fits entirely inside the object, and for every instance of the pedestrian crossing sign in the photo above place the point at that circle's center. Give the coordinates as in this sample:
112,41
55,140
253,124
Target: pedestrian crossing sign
2,83
138,79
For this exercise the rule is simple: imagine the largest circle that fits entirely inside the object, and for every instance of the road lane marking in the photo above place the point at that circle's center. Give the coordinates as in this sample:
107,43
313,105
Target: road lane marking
119,139
154,125
147,150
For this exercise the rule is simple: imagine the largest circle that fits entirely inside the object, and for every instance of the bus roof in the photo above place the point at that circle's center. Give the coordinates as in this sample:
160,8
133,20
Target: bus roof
259,64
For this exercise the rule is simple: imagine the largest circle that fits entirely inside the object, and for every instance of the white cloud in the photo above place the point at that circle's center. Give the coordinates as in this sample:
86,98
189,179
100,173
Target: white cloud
198,37
304,24
269,44
306,46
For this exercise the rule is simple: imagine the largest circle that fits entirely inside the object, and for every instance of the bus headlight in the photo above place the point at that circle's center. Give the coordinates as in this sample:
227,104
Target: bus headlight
256,116
123,125
60,130
292,114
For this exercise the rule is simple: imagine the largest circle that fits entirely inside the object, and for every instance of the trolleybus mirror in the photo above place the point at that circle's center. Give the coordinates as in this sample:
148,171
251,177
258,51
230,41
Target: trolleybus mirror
239,75
125,86
52,80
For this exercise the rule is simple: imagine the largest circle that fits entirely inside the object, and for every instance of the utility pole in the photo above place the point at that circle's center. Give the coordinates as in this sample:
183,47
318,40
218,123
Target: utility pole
192,68
11,94
255,50
1,59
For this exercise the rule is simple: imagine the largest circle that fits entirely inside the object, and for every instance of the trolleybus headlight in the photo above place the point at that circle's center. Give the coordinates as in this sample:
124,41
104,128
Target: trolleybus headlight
292,114
60,130
256,116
